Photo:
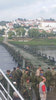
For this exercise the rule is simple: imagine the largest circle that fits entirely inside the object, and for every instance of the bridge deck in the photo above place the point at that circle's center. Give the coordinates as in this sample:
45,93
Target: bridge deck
51,96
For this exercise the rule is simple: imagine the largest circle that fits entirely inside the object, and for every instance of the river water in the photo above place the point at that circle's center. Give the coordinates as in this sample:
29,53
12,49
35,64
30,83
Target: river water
49,50
6,60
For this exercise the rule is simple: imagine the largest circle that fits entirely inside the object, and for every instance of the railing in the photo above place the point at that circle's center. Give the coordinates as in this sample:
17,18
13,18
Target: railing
7,92
2,96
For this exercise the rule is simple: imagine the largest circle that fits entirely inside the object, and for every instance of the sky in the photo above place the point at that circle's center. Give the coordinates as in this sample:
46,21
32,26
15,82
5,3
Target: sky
29,9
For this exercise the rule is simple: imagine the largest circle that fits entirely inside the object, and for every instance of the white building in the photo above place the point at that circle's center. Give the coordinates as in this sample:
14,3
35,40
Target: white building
2,27
47,25
9,25
26,33
51,24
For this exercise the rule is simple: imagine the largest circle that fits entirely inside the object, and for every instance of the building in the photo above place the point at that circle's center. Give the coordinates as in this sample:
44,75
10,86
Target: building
47,25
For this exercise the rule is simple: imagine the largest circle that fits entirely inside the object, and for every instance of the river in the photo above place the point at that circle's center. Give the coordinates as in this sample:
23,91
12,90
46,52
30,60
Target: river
49,50
6,60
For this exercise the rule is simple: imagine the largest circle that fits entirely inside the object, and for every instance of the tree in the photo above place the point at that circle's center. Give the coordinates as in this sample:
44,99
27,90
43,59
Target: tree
33,33
20,31
16,26
11,34
44,33
2,32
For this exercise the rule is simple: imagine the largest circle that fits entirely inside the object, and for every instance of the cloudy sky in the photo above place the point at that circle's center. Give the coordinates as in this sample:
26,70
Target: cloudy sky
30,9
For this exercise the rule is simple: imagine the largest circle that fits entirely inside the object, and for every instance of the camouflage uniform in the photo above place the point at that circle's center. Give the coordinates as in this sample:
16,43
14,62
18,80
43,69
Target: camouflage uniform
18,77
24,77
14,75
27,91
26,87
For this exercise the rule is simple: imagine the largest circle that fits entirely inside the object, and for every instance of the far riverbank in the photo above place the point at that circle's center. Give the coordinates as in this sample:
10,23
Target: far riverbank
38,42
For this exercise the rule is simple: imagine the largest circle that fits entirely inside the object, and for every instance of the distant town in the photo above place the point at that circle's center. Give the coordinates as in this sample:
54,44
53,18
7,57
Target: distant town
47,25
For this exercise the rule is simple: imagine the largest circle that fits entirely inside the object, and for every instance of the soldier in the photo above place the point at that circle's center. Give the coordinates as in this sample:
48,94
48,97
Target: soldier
41,72
4,81
27,90
8,73
28,68
18,76
14,74
24,76
48,75
11,79
53,71
38,71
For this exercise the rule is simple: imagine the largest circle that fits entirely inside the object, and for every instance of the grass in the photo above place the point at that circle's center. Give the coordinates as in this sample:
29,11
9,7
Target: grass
46,41
1,39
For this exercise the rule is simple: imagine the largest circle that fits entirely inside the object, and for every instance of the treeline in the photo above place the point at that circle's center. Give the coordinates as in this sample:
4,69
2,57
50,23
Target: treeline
20,31
2,23
2,32
35,33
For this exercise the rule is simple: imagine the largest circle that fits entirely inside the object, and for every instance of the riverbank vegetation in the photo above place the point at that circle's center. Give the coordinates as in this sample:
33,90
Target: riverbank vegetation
44,41
1,39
